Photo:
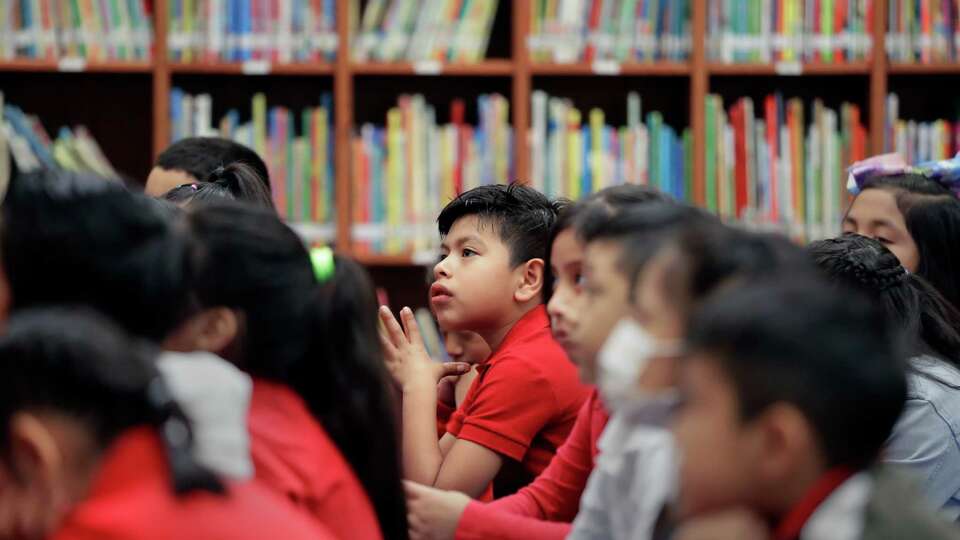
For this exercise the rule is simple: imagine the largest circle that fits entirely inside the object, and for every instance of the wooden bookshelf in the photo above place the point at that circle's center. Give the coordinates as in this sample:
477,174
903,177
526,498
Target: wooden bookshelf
510,67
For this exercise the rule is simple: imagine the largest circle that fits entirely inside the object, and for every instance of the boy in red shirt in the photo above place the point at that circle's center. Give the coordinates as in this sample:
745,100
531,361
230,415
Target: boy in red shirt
790,389
525,398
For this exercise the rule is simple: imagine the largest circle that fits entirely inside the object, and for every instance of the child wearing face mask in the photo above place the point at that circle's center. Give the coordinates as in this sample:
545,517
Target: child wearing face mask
545,508
914,212
635,478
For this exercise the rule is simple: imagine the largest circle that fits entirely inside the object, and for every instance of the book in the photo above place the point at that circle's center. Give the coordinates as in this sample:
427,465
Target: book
919,141
772,31
923,31
575,153
30,147
787,168
610,30
424,30
93,30
407,169
297,147
272,31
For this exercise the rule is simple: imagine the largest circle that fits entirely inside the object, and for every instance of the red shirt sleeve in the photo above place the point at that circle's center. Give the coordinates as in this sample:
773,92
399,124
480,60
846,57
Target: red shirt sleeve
480,522
534,511
514,403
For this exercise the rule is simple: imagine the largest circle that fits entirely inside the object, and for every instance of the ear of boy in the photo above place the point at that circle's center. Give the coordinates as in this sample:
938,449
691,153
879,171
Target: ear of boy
529,284
788,459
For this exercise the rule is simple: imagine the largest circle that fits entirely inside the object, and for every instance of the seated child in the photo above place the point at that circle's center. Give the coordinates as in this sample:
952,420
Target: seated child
924,441
125,258
236,181
789,390
915,212
526,396
92,445
192,160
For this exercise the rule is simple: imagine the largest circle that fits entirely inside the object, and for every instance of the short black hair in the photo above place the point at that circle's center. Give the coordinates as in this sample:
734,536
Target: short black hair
931,213
640,229
831,354
200,156
522,216
611,199
69,238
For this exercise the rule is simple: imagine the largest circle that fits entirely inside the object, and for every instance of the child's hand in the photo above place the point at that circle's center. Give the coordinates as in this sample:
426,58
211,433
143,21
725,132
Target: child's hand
406,355
433,514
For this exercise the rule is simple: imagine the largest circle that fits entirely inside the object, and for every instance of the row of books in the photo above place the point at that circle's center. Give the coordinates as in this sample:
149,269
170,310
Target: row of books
923,31
300,161
96,30
589,30
405,171
574,154
286,31
764,31
919,141
780,162
424,30
32,147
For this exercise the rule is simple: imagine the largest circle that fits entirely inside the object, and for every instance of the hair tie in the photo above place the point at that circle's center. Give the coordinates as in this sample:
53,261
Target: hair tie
945,172
323,263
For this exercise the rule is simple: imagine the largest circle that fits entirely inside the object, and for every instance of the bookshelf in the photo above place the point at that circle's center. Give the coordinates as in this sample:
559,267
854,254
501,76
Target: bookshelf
362,90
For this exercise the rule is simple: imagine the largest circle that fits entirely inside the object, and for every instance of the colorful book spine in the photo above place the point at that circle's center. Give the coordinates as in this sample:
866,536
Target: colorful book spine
421,30
919,141
610,30
407,170
786,168
94,30
923,31
296,146
279,31
810,31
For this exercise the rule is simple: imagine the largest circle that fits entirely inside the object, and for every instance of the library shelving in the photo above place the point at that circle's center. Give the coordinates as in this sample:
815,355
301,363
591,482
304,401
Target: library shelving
72,91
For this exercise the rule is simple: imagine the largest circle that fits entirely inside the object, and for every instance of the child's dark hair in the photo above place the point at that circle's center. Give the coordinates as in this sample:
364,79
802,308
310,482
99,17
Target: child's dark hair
640,229
608,200
932,216
199,156
74,361
319,339
67,238
796,340
705,256
927,320
236,181
521,215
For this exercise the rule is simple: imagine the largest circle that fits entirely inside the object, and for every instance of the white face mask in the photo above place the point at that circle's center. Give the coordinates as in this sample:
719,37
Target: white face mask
620,363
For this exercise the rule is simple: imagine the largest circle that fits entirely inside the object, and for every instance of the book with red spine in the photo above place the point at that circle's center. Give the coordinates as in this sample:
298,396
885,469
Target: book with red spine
593,29
773,129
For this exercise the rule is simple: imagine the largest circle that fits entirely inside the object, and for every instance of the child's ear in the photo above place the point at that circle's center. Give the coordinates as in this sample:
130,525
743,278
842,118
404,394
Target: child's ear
211,330
789,445
530,280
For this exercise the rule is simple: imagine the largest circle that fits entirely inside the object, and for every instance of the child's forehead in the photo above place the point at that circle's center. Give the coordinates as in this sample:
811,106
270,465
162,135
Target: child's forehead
484,228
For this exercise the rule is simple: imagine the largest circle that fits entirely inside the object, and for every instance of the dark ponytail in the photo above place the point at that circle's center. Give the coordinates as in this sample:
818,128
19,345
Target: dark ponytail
74,361
346,332
236,181
929,323
318,339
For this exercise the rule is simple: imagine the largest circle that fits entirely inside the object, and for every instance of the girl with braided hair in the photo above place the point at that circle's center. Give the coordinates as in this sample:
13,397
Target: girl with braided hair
924,439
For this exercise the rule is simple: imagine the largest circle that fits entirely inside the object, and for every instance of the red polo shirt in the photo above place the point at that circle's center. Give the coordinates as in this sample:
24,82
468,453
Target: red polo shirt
544,509
524,400
132,498
293,455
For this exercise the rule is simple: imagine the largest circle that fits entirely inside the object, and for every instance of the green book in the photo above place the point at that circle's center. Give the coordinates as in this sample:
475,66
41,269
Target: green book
710,176
306,175
654,124
290,142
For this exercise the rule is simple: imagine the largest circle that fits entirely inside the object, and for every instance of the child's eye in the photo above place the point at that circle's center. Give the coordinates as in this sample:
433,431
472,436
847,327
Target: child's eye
579,280
883,240
441,257
468,253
